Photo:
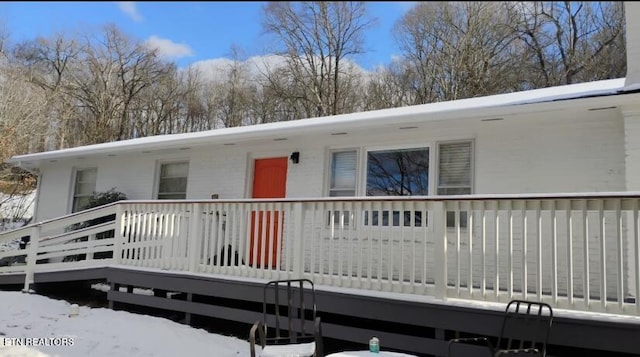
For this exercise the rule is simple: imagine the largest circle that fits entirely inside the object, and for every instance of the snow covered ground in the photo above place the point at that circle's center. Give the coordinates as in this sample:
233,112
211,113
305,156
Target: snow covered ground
100,332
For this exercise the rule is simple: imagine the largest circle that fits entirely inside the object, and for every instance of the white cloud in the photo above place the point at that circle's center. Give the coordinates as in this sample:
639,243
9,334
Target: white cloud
217,69
168,48
213,69
129,8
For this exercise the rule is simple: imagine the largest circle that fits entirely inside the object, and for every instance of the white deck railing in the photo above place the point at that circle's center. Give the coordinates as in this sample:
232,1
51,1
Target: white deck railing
575,252
82,239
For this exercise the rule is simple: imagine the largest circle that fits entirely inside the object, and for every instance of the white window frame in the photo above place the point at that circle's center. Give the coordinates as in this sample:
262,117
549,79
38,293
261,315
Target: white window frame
331,152
74,187
159,172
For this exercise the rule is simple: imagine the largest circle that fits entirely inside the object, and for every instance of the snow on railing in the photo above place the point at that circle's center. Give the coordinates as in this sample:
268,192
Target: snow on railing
574,251
85,238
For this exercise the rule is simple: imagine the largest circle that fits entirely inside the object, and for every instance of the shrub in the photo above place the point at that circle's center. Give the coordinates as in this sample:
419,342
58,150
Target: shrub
96,200
102,198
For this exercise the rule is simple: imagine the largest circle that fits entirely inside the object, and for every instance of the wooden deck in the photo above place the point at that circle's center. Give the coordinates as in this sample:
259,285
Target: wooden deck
414,271
350,317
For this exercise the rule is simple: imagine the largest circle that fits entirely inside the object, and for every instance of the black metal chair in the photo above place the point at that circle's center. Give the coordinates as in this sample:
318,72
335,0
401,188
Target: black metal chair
525,331
289,325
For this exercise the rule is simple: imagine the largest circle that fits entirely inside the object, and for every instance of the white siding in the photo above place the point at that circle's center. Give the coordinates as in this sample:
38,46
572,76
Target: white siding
565,152
306,178
55,191
131,174
215,171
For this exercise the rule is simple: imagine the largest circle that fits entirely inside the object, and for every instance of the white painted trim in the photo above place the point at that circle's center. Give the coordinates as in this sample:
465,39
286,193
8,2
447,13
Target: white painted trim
71,190
36,202
271,154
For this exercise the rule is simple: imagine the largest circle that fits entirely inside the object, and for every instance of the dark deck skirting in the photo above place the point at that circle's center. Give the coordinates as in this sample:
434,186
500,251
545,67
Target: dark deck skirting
410,326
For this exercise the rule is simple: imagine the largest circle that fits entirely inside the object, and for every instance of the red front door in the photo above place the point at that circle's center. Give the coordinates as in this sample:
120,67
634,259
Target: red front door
269,181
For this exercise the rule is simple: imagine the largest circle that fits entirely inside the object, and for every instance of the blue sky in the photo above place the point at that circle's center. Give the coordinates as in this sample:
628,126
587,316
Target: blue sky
187,32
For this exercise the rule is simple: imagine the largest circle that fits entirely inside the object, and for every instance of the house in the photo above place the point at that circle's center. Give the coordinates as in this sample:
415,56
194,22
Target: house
574,138
535,193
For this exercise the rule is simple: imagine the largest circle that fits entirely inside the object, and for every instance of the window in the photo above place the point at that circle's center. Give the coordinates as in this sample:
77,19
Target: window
172,184
403,172
343,173
342,183
84,187
454,168
454,175
398,172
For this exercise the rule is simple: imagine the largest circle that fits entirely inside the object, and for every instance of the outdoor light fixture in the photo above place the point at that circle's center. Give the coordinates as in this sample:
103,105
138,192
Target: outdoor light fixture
295,157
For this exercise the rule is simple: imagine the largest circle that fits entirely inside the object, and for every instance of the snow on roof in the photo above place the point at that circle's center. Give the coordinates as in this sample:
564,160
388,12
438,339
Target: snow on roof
436,110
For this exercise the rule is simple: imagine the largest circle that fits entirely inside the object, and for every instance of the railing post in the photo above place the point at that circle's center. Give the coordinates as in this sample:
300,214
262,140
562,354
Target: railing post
440,249
195,230
298,240
118,234
91,238
32,256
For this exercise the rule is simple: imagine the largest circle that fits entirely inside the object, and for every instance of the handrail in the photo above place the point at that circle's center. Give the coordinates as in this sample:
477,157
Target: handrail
578,251
434,198
62,218
473,197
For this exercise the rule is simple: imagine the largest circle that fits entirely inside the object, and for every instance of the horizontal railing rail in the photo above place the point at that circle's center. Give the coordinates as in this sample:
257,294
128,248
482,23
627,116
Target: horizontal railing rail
574,251
84,238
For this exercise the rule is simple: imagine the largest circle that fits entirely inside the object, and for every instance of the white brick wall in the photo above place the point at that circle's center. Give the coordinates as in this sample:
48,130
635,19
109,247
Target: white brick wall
215,171
577,151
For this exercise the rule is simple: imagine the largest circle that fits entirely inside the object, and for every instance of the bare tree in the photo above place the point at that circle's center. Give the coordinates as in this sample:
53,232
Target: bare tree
570,42
21,126
21,130
111,73
92,85
317,37
237,93
389,87
456,49
4,38
46,64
